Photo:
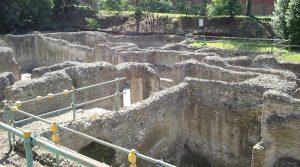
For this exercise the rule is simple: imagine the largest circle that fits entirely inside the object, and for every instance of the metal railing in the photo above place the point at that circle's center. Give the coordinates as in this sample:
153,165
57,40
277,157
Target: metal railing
74,104
10,109
29,140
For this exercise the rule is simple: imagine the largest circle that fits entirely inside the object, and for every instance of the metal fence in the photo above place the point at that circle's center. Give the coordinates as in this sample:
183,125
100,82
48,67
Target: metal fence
28,140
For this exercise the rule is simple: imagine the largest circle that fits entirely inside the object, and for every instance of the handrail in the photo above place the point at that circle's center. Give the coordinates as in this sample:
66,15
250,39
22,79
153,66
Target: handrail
65,152
78,89
67,108
118,148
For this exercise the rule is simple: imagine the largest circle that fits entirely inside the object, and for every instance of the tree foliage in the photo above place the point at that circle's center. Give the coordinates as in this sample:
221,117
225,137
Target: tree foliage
293,21
112,5
279,20
20,15
286,20
224,7
68,13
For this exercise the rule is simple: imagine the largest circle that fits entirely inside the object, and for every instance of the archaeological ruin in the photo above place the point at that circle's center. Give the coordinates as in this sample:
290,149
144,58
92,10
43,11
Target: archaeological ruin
185,106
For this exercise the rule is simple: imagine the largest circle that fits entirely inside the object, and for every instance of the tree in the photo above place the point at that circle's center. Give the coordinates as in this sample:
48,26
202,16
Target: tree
293,21
224,7
279,18
248,8
71,13
21,15
112,5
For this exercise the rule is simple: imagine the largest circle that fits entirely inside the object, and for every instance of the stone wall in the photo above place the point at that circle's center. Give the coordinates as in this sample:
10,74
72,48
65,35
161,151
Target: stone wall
37,50
24,47
196,69
59,77
38,72
143,79
51,51
6,79
294,67
280,132
8,63
29,89
223,122
93,73
138,127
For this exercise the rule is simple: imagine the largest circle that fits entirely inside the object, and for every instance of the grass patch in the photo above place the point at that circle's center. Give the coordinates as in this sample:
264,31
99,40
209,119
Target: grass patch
237,44
254,46
290,56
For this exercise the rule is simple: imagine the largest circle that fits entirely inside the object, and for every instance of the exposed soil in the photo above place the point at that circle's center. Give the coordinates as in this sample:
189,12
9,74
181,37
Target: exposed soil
152,23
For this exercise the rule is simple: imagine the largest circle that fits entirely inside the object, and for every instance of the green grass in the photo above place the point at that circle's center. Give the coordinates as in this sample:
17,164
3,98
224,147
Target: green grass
291,56
262,47
236,44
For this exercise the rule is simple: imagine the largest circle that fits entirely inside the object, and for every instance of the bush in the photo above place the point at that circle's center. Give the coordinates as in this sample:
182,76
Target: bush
279,20
21,15
92,23
225,7
293,21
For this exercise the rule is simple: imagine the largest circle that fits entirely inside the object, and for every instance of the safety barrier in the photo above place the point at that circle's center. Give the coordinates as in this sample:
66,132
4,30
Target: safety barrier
11,108
74,105
29,141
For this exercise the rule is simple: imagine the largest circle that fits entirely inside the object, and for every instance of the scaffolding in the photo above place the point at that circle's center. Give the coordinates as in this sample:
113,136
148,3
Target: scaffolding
52,146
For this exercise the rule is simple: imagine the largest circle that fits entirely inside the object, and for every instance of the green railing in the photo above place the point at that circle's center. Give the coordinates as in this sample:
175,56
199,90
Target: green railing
11,108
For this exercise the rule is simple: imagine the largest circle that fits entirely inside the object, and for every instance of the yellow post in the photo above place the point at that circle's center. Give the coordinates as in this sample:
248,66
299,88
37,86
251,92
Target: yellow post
132,158
54,129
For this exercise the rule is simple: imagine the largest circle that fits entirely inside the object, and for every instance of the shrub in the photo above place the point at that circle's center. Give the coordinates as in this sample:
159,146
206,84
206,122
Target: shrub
92,23
224,7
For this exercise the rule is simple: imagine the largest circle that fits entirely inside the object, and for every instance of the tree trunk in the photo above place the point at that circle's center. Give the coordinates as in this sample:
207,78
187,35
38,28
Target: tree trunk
248,8
137,15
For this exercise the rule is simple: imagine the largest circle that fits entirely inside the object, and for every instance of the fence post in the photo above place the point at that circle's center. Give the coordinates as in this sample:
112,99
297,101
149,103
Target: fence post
74,103
7,114
28,148
117,97
55,139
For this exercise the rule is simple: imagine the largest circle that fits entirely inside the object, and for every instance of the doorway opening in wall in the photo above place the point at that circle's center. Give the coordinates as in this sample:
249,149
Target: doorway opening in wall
126,96
191,159
100,153
25,76
287,161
